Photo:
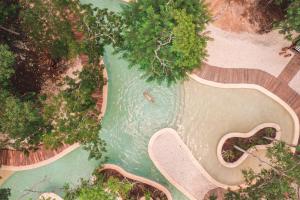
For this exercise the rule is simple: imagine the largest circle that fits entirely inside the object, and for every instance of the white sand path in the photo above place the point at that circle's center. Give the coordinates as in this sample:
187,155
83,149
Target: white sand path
174,160
245,50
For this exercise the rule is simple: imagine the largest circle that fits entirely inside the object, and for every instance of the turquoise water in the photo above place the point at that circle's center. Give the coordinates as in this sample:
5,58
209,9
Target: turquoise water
129,122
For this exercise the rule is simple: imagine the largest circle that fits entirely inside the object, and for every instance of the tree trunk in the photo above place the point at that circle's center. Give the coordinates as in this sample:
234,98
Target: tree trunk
9,30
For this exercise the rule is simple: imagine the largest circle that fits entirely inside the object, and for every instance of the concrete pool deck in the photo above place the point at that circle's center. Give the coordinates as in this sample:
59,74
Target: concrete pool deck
174,160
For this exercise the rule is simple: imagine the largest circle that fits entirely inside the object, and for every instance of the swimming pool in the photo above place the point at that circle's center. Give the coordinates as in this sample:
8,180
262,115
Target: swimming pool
128,124
212,110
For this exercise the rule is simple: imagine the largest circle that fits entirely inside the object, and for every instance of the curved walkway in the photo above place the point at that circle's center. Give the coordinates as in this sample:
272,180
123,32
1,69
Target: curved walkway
278,86
176,162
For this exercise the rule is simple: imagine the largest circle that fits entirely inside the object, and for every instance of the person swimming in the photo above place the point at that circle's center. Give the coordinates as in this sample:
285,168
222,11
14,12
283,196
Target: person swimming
148,96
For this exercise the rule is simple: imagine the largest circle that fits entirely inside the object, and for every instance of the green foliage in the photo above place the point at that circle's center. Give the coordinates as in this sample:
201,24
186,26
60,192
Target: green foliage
100,190
291,21
55,30
187,45
48,25
101,27
5,193
86,191
278,182
22,121
120,188
164,37
73,115
7,59
7,10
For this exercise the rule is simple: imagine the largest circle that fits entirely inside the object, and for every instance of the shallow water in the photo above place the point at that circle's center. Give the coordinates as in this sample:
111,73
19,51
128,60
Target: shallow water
210,113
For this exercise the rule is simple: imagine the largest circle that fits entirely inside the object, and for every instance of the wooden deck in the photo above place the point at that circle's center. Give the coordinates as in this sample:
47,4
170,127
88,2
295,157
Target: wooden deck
278,86
290,70
17,158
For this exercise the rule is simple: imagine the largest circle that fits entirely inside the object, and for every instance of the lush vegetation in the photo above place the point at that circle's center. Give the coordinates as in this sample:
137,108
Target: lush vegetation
99,190
109,184
231,153
37,39
281,180
291,20
5,193
164,38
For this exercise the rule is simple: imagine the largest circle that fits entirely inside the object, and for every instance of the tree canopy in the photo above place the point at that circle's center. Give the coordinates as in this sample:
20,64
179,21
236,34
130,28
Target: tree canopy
5,193
43,36
291,20
7,60
278,182
164,38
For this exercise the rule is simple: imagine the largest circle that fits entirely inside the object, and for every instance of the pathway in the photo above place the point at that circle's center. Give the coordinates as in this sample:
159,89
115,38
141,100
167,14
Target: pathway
245,50
18,158
174,160
279,86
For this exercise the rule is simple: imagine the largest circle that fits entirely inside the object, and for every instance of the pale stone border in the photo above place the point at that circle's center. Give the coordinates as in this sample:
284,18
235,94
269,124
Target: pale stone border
188,154
260,89
138,178
245,135
50,196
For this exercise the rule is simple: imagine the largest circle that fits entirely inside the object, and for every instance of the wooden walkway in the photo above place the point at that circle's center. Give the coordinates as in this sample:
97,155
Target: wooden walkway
290,70
278,86
18,158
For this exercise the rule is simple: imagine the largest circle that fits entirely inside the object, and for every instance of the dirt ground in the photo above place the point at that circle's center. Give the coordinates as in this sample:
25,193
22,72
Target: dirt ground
252,16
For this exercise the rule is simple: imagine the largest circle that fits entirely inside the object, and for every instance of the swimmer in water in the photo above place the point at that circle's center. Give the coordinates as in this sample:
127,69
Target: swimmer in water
148,96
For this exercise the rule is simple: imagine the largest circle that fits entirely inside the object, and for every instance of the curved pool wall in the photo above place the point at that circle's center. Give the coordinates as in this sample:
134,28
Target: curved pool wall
211,112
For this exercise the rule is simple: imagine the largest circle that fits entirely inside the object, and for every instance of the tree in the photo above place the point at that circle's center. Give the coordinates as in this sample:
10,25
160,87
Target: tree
280,181
164,38
101,27
100,190
291,20
5,193
6,65
8,11
48,25
22,123
73,115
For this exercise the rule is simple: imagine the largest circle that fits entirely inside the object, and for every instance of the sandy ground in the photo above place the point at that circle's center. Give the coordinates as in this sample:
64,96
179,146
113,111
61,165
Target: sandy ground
176,163
5,174
295,82
245,50
252,16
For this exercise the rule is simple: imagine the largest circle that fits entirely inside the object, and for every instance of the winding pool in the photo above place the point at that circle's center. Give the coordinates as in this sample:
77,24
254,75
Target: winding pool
128,124
202,115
